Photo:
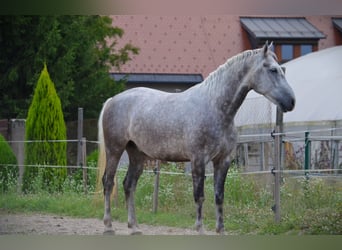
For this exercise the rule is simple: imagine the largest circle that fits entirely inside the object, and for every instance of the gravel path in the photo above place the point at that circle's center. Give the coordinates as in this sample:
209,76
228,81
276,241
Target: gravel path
39,224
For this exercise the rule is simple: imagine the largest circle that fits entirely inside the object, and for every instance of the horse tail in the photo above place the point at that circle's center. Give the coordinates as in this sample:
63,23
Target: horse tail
101,161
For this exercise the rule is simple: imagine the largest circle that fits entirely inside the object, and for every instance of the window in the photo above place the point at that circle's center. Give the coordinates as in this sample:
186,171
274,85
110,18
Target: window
292,36
286,52
305,49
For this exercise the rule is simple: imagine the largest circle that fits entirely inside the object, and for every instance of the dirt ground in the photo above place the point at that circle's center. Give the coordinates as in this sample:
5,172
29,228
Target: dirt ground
39,224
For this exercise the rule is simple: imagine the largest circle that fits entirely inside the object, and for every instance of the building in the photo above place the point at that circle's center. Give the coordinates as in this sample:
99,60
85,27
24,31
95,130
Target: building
192,45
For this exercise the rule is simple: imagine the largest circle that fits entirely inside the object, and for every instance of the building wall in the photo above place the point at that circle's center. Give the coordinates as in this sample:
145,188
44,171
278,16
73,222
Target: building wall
324,24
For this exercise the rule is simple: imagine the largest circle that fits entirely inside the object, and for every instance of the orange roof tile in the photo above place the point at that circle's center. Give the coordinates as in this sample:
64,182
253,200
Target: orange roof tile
180,44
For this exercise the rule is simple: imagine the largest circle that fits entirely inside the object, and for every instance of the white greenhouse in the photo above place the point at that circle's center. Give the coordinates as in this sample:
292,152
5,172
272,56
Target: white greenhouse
316,79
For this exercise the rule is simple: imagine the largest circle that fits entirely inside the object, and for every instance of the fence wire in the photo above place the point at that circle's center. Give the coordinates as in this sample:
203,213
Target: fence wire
272,171
255,138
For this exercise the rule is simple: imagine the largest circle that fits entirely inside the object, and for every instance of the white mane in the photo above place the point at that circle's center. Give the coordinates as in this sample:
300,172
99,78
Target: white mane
216,80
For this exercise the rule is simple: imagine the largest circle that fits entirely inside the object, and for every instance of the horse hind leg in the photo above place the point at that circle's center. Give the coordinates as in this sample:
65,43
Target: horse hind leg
135,169
198,177
108,183
220,174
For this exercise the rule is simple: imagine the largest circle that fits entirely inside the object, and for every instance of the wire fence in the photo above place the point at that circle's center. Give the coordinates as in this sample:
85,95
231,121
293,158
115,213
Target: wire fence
266,163
291,136
321,148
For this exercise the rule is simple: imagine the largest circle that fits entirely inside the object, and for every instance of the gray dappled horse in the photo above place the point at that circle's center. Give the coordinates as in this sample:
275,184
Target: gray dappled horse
196,125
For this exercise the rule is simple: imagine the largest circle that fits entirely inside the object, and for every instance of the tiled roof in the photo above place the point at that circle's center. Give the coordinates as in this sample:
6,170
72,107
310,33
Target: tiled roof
280,28
180,44
337,23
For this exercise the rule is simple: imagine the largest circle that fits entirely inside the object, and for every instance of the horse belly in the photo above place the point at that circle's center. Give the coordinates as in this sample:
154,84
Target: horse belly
161,147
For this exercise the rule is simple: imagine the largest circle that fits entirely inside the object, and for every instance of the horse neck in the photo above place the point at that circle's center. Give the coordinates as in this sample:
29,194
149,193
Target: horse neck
228,86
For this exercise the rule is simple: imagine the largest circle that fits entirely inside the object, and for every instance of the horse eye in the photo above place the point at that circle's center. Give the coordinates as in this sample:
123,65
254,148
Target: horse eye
273,70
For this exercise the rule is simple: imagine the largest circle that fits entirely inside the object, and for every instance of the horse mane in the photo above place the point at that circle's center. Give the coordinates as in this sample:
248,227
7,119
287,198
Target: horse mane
240,57
214,80
233,62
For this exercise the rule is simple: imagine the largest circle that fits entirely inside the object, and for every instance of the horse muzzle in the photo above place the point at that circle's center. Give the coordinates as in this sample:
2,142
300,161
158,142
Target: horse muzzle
288,105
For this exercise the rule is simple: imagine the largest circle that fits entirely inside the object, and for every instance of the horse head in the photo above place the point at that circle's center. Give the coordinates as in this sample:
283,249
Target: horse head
270,80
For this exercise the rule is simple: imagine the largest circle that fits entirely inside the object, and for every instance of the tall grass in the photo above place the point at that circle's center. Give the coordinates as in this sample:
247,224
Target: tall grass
311,206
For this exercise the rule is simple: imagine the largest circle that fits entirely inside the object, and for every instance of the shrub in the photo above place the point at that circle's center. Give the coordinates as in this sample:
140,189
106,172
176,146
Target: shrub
8,172
45,122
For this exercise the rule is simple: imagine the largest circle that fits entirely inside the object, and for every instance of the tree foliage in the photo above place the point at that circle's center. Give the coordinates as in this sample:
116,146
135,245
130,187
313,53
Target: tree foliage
45,122
79,50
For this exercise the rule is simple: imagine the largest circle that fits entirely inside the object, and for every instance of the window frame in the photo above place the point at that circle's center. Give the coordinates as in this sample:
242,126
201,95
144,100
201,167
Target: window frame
296,52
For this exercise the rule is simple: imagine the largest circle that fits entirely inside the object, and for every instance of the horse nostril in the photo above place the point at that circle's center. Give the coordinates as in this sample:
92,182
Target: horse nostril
293,102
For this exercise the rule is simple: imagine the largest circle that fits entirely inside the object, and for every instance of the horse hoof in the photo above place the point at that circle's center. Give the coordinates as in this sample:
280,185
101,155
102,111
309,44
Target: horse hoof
201,231
220,231
136,232
109,232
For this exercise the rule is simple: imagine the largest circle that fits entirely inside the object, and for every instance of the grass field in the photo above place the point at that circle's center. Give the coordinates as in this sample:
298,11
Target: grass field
311,206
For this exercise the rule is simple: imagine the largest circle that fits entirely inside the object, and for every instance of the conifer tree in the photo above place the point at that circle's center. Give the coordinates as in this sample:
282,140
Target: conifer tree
45,122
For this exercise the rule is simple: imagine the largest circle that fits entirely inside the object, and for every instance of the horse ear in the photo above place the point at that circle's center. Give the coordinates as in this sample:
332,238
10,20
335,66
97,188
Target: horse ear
265,48
270,45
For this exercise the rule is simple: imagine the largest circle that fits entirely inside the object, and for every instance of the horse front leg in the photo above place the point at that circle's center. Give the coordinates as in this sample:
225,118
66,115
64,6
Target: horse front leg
220,174
198,177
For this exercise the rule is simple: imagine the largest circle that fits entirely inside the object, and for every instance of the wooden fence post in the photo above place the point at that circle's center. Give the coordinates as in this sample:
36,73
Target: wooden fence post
278,141
245,154
84,165
17,133
277,155
307,155
156,187
262,156
82,149
79,136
